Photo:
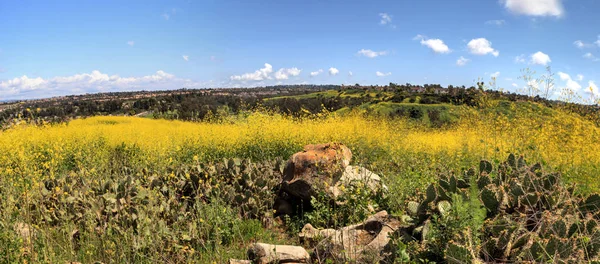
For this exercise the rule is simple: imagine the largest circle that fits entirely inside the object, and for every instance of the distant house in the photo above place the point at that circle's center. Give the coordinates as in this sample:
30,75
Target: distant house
417,89
440,91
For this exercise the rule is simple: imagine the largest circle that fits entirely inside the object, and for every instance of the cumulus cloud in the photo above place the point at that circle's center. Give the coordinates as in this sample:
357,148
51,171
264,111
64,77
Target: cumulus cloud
498,23
186,57
462,61
570,83
381,74
385,18
495,74
96,81
580,77
131,43
535,7
437,45
520,58
540,58
371,54
580,44
515,85
258,75
315,73
333,71
590,56
283,74
482,46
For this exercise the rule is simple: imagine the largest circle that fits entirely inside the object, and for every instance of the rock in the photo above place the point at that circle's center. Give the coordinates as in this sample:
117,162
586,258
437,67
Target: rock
353,174
27,234
261,253
355,242
315,165
320,168
239,261
24,231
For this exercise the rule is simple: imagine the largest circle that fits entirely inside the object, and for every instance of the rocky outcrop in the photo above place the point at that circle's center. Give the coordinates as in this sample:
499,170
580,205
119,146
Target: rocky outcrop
356,242
319,168
316,165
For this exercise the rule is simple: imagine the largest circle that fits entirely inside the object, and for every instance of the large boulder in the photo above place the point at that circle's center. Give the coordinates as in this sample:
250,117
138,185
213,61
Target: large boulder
315,165
319,168
360,242
310,171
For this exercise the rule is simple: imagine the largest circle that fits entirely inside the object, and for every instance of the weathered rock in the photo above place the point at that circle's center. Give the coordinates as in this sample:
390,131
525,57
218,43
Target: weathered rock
24,230
355,242
315,165
320,168
261,253
239,261
354,174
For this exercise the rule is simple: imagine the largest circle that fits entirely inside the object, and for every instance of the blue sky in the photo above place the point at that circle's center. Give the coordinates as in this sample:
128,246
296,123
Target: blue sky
53,48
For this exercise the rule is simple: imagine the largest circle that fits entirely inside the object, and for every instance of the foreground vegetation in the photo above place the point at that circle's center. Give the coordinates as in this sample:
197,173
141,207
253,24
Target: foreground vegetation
132,189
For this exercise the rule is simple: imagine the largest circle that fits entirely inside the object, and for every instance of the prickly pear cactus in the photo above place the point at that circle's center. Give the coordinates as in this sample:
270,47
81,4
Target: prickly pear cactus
531,215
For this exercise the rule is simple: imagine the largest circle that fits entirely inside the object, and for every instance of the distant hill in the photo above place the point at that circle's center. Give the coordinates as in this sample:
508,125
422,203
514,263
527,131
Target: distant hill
431,104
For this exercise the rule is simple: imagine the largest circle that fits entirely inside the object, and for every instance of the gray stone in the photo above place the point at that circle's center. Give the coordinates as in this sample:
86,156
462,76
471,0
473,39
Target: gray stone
261,253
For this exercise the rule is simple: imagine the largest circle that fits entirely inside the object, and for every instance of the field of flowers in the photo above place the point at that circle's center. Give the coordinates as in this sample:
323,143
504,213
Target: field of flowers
106,188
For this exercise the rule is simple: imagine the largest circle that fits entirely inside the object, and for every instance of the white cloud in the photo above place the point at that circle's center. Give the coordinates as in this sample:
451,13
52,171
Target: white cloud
580,77
482,46
591,57
499,22
540,58
350,73
570,83
462,61
592,88
495,74
166,16
563,76
315,73
186,57
333,71
258,75
283,74
96,81
419,37
598,41
437,45
580,44
381,74
131,43
535,7
533,83
371,54
515,85
385,18
520,59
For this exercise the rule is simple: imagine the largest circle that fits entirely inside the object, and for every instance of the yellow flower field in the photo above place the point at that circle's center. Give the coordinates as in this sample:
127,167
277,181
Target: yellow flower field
118,188
560,140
